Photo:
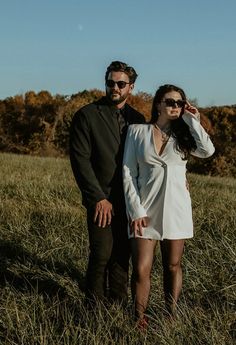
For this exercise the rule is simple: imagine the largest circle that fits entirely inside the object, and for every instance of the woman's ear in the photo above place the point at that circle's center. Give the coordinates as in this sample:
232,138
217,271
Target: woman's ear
158,107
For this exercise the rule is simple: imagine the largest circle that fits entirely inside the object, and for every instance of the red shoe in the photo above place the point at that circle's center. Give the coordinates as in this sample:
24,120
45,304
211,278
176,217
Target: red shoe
142,324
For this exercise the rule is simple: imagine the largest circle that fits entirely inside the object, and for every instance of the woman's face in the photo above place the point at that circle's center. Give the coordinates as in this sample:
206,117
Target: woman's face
171,106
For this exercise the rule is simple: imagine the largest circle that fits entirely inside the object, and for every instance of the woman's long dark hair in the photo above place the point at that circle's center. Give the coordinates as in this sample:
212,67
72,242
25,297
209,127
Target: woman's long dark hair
185,142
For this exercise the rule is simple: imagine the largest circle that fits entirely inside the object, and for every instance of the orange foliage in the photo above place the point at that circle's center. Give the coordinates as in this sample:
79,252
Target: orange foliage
38,123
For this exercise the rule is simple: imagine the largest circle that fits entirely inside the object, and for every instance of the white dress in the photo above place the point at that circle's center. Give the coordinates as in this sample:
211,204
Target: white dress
155,185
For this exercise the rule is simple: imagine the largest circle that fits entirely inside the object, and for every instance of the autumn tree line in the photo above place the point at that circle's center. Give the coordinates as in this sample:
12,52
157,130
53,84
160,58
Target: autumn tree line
38,124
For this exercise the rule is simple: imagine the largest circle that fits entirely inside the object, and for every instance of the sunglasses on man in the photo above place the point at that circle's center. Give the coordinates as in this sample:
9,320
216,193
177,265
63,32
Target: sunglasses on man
121,84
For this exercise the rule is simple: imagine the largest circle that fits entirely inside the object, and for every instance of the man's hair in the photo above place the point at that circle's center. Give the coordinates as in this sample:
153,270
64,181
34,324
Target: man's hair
118,66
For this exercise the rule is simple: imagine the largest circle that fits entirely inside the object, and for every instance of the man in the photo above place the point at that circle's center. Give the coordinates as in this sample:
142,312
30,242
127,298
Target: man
97,139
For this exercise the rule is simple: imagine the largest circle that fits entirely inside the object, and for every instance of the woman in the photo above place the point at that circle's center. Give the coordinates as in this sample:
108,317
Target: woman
157,198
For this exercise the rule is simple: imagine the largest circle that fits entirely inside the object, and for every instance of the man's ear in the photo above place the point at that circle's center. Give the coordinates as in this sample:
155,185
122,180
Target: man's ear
131,87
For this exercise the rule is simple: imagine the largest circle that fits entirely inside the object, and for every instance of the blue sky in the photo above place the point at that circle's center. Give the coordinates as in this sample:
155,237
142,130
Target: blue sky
64,46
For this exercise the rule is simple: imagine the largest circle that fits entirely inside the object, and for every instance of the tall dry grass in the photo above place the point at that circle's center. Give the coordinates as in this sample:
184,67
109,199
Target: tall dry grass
43,256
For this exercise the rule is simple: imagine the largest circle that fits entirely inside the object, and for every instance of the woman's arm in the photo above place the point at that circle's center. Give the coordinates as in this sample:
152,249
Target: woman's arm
130,175
205,147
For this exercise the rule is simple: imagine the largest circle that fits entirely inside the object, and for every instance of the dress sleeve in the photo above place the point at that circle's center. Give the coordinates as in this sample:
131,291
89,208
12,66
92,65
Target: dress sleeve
134,208
205,147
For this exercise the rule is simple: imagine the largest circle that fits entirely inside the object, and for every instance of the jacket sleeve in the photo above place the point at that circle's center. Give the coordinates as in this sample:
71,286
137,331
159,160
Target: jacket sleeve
80,157
134,207
205,147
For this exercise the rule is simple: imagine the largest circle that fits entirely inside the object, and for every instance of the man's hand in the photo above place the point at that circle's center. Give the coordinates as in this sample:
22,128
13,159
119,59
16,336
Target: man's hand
103,213
137,226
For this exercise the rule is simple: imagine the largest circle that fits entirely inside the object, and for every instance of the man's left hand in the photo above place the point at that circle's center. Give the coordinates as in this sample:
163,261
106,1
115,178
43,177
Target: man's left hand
103,213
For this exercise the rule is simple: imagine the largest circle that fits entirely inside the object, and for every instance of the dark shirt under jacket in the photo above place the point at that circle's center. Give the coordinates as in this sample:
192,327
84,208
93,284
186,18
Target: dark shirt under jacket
96,151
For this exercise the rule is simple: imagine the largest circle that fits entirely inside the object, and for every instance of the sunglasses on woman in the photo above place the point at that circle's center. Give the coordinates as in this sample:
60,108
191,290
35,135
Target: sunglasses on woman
170,102
121,84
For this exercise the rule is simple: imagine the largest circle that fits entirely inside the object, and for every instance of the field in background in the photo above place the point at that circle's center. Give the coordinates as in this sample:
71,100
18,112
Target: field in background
43,256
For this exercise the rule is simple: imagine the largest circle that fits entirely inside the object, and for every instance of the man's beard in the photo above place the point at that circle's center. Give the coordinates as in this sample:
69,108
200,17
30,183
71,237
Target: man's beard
118,100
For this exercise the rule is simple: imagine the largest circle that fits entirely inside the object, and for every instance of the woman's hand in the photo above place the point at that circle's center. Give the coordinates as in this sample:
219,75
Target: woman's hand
137,226
191,109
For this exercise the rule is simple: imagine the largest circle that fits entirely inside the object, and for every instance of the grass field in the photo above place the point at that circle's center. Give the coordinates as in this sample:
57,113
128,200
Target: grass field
43,256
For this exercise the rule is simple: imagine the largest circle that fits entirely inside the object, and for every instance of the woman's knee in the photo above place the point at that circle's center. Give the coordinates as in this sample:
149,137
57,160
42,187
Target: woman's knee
142,272
172,267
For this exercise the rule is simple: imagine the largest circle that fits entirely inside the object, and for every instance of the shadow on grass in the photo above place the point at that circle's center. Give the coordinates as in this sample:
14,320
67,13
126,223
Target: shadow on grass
26,272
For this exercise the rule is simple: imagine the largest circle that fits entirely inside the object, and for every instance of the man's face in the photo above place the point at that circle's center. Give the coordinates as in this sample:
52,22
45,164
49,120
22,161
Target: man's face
115,92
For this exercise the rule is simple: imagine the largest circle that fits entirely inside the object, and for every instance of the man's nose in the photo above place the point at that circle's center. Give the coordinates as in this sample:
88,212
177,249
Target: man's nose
115,86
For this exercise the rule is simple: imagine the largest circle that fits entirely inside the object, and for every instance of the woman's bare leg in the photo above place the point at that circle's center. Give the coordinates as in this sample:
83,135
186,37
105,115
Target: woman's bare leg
172,252
142,259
